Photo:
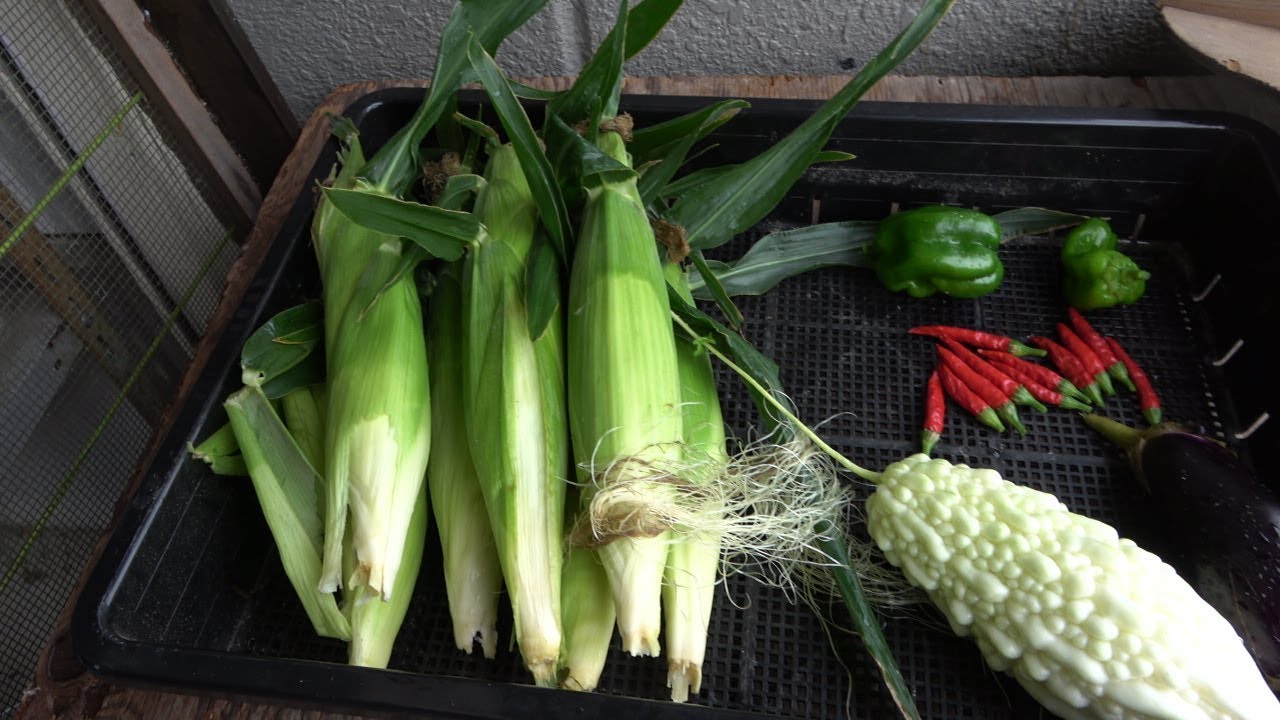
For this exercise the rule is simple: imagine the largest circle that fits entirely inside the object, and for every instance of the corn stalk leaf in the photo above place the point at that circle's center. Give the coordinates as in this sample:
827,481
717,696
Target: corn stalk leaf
529,92
286,484
443,234
688,183
486,133
1034,221
757,364
393,168
653,142
284,343
673,149
541,285
458,190
780,255
827,156
552,210
714,212
595,93
645,21
715,290
834,545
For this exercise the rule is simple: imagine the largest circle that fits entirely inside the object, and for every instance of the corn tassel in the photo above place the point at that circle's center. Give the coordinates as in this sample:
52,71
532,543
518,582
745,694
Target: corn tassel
624,396
694,557
378,428
515,413
472,574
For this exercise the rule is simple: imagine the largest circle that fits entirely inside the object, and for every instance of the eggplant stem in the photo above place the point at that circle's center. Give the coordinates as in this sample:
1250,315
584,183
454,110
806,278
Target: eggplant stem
1116,432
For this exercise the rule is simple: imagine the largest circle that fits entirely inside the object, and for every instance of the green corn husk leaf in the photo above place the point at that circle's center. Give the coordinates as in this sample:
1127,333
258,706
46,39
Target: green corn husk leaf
304,417
286,488
515,413
587,614
714,212
472,573
624,395
694,559
221,452
376,623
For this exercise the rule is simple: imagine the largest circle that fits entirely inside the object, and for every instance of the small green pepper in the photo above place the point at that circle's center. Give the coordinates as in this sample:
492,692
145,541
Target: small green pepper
938,248
1094,273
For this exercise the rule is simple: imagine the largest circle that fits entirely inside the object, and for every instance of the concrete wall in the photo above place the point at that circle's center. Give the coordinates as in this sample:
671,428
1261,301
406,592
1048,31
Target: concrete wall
311,46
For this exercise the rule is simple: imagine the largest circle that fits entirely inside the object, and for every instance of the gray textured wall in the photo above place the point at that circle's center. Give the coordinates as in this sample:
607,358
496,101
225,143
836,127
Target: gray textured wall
311,46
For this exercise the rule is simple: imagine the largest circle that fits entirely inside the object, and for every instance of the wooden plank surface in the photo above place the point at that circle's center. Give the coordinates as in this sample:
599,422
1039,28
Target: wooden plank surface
1240,46
61,688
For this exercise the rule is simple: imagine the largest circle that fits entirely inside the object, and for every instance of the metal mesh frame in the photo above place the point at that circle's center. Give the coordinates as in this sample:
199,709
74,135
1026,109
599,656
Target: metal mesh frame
84,294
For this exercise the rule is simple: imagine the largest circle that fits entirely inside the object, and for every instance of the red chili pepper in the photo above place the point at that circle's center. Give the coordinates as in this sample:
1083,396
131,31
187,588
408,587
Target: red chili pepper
1039,391
977,338
992,395
935,413
1115,368
1147,398
1040,373
1010,387
1092,362
968,399
1070,366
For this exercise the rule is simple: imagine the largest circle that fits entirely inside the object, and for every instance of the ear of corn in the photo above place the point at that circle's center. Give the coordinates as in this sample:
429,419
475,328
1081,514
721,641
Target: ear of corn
472,574
286,486
624,395
378,428
694,556
589,616
375,622
515,413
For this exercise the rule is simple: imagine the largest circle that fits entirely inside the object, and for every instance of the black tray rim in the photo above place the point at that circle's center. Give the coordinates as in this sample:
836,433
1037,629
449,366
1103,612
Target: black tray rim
333,686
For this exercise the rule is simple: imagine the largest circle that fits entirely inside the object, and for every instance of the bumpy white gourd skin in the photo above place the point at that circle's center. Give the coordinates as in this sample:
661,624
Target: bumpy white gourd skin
1092,625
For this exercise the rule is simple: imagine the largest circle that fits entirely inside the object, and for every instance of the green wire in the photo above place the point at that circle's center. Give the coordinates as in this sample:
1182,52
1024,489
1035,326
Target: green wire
89,444
21,228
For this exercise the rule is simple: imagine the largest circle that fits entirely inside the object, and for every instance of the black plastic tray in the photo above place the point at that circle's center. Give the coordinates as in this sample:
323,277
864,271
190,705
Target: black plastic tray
189,592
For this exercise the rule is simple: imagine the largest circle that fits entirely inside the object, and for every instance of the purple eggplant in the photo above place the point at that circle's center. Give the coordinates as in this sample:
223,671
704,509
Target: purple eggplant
1224,522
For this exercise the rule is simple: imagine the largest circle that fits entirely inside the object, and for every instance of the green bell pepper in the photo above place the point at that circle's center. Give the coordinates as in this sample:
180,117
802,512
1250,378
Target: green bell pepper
1094,273
938,248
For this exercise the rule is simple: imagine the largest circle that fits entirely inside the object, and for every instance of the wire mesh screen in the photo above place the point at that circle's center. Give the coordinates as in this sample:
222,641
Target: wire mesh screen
111,263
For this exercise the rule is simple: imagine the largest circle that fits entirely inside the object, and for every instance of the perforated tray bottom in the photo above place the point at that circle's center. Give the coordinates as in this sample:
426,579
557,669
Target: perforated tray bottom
841,341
